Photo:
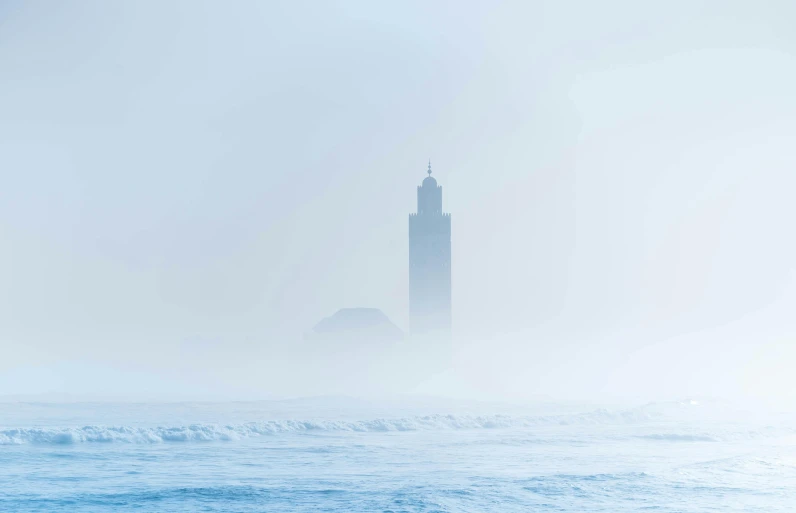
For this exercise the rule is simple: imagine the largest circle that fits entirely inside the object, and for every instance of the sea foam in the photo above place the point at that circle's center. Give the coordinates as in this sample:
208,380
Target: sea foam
207,432
212,432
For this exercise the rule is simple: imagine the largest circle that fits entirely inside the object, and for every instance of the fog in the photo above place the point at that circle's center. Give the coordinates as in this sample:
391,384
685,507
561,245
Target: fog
189,187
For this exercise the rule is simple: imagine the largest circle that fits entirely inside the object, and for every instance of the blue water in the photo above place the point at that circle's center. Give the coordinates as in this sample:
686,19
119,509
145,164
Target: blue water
341,455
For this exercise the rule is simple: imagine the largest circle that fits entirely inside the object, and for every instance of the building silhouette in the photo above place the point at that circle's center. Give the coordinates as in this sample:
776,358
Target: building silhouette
357,324
430,262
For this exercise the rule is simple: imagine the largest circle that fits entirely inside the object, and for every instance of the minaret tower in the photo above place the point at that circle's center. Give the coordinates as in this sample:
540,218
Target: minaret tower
430,262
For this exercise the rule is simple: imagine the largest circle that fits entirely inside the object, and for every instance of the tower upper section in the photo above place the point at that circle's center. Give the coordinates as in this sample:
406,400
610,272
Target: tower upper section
430,262
429,195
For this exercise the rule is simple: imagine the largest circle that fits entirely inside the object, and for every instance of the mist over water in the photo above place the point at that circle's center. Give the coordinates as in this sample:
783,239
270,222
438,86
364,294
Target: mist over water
206,183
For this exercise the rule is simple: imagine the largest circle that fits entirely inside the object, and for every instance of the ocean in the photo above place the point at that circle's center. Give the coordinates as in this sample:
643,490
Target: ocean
346,455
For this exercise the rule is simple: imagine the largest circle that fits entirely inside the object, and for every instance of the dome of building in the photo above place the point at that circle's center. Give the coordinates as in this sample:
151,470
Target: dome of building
429,181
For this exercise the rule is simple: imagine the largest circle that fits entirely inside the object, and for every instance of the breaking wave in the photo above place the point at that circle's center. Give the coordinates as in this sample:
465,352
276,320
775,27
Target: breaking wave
207,432
219,432
680,437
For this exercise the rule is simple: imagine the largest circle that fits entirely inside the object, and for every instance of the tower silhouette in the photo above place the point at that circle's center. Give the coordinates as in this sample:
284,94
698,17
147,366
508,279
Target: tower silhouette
430,262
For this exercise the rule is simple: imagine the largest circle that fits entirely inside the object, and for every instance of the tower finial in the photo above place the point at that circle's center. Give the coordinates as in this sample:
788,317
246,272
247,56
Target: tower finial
429,167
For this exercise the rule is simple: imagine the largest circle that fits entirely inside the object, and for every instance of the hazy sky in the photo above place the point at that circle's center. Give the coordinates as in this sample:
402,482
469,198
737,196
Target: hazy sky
189,186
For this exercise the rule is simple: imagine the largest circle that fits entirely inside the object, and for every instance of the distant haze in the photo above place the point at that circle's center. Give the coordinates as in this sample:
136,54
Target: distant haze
188,187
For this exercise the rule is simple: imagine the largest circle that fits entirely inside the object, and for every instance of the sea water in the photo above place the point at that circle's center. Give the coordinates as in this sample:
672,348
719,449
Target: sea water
351,456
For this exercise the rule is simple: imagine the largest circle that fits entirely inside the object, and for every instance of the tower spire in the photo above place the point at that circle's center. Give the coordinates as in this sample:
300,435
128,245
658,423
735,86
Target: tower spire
429,167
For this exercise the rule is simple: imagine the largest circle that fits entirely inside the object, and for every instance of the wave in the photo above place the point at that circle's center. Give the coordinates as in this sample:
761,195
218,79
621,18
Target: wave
680,437
219,432
202,432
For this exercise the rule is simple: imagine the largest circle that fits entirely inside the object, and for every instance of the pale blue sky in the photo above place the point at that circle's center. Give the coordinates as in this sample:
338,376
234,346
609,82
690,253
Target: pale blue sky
203,181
